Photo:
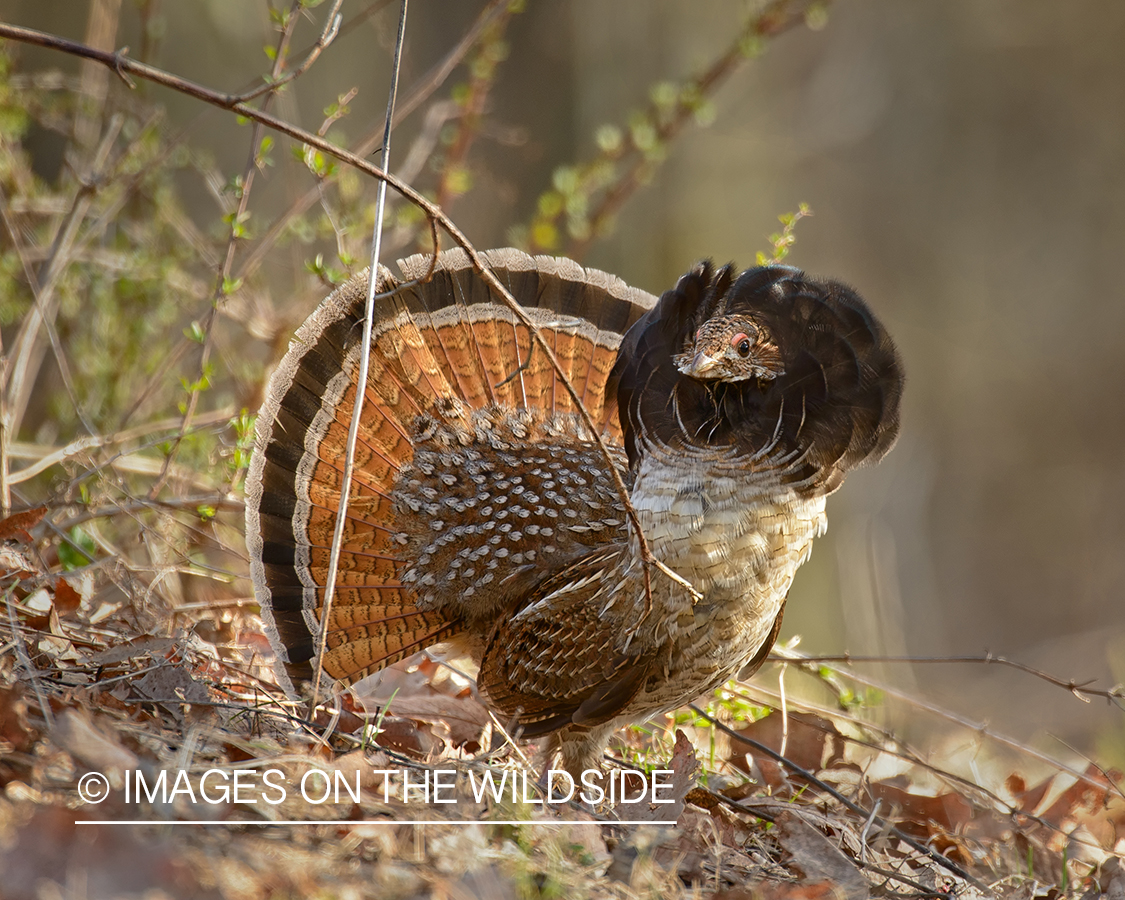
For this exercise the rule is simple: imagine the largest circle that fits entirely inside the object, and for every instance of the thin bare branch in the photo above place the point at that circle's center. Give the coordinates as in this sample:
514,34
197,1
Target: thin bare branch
892,745
331,30
1080,689
25,658
216,500
361,375
774,19
5,438
27,351
48,321
422,90
482,77
223,277
919,703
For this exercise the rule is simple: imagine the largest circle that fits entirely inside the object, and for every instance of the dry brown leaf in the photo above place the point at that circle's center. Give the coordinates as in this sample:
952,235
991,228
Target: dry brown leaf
408,678
67,599
56,648
802,890
343,716
76,733
357,764
51,854
409,736
172,685
16,562
1082,795
1111,879
14,730
1028,800
138,646
693,849
487,881
38,601
684,766
807,738
733,830
465,716
705,799
818,860
919,813
17,525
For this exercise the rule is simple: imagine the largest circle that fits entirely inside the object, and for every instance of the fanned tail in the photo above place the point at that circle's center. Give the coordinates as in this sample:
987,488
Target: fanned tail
445,340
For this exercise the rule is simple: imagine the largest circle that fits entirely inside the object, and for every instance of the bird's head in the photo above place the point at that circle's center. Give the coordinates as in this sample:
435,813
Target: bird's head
771,363
731,348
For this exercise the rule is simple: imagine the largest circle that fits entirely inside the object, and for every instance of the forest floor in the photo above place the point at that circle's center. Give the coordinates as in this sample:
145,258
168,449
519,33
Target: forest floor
115,740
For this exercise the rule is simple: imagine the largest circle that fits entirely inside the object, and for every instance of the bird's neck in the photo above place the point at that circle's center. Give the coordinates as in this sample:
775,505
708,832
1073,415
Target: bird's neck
735,534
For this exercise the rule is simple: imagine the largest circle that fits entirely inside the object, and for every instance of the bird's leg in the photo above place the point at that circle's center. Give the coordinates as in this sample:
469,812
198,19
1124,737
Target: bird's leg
572,757
546,757
580,752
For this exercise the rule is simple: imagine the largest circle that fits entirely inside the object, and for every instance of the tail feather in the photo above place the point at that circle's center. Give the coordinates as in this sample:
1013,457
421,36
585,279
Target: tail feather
364,637
447,339
363,651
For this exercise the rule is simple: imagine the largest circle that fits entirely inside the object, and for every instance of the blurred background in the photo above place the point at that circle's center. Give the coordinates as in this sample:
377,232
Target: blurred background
964,162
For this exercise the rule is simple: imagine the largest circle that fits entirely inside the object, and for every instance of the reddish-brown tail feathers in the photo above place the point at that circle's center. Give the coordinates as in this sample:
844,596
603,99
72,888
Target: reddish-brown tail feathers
447,338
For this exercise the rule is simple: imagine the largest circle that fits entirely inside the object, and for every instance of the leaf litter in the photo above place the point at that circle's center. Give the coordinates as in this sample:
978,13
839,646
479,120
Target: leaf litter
844,814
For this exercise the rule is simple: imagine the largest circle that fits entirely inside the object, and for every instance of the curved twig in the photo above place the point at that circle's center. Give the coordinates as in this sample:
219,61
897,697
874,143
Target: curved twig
232,103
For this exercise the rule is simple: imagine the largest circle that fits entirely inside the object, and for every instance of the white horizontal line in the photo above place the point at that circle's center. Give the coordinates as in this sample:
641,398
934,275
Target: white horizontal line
337,823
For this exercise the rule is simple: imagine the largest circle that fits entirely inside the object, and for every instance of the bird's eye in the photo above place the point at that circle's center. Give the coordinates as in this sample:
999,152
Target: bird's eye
741,343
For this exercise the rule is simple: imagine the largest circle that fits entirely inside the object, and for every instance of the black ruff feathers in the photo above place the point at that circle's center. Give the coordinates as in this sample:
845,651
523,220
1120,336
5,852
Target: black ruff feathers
835,406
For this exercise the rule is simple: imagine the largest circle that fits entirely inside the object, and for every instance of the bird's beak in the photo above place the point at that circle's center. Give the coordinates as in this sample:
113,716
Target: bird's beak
700,365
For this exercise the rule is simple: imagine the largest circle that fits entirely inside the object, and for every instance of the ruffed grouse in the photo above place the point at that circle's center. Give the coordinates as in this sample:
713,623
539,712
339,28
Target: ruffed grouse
483,514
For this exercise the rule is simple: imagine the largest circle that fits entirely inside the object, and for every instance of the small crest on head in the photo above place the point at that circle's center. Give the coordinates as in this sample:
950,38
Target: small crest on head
729,339
725,345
